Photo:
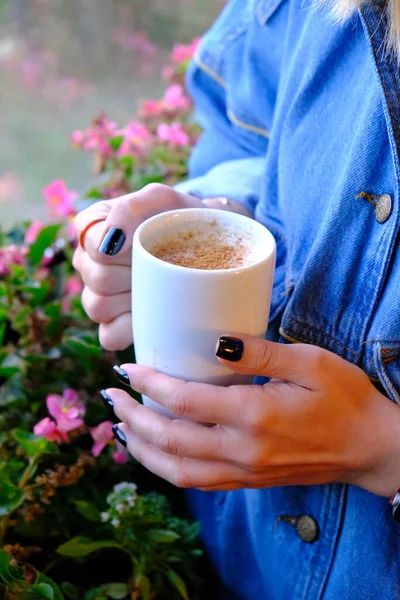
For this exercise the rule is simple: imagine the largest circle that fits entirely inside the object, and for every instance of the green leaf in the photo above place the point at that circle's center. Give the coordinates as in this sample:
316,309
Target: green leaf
117,591
8,572
116,142
82,546
33,444
93,193
44,590
89,511
43,580
128,164
80,347
12,467
178,583
3,327
11,364
37,291
70,590
5,560
43,241
162,536
10,497
12,390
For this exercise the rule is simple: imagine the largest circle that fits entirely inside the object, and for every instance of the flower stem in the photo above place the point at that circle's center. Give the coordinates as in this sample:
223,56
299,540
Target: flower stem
28,472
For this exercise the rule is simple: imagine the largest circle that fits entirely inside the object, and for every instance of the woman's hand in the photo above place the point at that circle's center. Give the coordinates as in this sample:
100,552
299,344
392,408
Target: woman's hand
319,420
105,261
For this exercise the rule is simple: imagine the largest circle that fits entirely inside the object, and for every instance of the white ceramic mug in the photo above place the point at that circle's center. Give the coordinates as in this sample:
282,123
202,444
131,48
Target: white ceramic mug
179,313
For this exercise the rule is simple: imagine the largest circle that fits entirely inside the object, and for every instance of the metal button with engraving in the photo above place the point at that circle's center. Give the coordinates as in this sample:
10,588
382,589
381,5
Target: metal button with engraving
383,208
307,529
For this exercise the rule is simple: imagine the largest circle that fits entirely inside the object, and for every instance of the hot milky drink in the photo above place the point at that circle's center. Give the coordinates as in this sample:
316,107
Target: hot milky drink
204,245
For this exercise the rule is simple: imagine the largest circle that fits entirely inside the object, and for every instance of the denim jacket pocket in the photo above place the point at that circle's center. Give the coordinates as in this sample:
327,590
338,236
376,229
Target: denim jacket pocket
387,364
264,9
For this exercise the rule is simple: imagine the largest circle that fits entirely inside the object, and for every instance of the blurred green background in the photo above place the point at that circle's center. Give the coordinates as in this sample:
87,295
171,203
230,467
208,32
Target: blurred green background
64,61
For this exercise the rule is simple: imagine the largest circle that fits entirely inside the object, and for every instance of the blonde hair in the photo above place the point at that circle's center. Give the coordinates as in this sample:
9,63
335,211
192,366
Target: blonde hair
343,9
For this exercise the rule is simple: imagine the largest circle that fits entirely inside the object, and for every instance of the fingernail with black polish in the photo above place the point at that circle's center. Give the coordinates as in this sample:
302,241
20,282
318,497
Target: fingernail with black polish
121,375
230,349
112,242
119,435
106,399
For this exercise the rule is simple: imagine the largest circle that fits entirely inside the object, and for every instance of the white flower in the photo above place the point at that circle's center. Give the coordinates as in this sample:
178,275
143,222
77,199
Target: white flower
131,500
104,516
115,522
120,508
124,485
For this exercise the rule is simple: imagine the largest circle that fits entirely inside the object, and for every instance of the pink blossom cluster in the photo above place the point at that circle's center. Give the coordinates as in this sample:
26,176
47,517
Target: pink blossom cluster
174,102
67,412
11,255
59,199
103,436
136,138
173,134
180,56
97,136
182,53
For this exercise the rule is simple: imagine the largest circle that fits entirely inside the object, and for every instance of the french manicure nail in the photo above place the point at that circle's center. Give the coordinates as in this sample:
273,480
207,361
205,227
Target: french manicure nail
106,399
112,242
121,375
230,348
119,435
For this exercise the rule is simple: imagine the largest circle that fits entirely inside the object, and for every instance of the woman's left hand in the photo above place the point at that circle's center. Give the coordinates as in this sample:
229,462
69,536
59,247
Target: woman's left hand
319,420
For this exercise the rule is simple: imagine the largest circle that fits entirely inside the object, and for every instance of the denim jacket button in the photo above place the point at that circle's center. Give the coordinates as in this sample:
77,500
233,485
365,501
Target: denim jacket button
307,529
383,208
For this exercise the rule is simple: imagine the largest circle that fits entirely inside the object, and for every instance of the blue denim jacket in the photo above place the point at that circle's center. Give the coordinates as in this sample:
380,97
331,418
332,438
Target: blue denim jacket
301,124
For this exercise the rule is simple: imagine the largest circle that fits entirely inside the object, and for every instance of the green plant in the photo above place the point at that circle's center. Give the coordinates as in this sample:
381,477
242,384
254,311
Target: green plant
72,523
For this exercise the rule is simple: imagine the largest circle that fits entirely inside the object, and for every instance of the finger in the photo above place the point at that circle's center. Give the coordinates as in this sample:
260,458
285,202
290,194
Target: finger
197,401
172,436
296,363
105,280
95,234
104,309
117,335
129,211
181,472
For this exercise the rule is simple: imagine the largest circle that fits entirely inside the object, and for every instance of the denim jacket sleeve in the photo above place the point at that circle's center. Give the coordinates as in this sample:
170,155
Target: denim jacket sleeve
229,158
238,180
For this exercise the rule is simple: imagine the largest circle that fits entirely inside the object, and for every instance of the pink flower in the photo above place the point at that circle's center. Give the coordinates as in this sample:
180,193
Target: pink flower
67,410
102,435
73,286
150,108
181,52
11,255
59,199
120,457
32,232
137,137
173,134
48,429
77,138
175,98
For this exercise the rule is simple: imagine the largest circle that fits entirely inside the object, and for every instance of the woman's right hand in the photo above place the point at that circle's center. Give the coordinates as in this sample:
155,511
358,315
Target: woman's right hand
105,261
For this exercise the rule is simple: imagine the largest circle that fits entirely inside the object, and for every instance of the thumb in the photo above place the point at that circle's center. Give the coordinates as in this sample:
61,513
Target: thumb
128,212
256,356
